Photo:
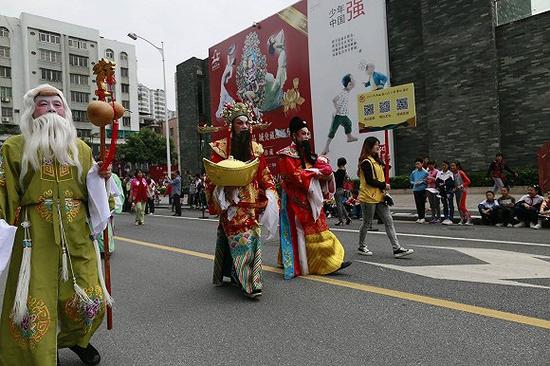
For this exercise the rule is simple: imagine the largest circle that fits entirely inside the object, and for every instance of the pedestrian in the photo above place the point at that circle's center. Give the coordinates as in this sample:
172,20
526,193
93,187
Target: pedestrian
506,212
192,193
433,193
445,184
418,182
527,209
488,209
151,194
307,244
55,295
238,252
462,182
372,194
175,183
497,170
139,196
341,177
544,212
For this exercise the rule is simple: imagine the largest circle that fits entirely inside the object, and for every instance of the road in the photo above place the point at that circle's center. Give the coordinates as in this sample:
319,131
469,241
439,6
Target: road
468,296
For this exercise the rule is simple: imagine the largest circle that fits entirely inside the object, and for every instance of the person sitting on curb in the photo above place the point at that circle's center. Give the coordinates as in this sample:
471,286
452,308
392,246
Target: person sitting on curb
506,211
544,213
527,209
489,209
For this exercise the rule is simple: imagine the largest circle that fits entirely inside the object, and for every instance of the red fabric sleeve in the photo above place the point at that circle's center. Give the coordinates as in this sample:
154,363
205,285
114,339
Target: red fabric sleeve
213,208
292,173
465,179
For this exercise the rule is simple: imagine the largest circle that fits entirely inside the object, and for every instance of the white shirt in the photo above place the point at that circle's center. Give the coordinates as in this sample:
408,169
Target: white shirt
342,103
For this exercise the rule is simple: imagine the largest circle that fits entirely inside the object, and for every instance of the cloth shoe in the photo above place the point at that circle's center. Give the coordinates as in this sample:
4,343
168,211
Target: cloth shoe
520,224
88,355
402,252
364,251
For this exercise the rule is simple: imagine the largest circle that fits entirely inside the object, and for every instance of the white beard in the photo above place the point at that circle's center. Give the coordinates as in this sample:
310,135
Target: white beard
52,137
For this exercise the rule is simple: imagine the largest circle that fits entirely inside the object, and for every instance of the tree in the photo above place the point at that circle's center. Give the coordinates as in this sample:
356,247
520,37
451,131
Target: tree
146,146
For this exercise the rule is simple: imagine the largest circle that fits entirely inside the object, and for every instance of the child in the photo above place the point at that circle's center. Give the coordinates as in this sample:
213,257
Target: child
527,209
506,211
462,182
445,184
418,181
496,171
544,213
354,205
341,114
489,209
433,193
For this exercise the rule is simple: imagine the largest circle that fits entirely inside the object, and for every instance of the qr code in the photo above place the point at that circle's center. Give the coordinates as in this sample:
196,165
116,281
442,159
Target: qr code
368,109
385,106
402,104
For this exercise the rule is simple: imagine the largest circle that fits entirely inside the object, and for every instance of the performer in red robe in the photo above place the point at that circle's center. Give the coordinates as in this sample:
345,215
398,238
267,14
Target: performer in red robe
307,244
242,209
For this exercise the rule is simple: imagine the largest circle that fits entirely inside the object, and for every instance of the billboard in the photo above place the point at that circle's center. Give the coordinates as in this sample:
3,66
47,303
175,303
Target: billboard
266,64
311,60
348,56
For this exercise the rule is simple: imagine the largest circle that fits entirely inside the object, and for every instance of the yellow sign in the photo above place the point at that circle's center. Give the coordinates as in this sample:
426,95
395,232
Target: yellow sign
386,109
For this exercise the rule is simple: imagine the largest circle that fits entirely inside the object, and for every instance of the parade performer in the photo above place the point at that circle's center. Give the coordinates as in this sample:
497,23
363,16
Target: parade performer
242,208
55,294
307,244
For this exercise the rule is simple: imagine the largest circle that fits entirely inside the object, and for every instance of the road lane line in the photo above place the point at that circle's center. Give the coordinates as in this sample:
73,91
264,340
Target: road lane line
447,304
399,234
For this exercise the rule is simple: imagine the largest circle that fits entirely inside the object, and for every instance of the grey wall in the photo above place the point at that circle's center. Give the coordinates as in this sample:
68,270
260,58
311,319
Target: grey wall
192,85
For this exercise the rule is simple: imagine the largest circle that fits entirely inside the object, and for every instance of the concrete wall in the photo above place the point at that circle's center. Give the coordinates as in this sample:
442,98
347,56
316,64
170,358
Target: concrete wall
192,81
524,87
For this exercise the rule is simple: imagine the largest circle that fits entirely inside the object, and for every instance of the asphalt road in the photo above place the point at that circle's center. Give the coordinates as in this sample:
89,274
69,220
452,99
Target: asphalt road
168,313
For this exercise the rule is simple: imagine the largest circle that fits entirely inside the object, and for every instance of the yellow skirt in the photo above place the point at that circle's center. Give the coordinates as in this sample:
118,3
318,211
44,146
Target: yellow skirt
325,253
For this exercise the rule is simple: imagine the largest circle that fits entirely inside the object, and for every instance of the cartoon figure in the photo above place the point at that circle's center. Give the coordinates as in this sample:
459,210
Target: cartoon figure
225,97
340,117
375,80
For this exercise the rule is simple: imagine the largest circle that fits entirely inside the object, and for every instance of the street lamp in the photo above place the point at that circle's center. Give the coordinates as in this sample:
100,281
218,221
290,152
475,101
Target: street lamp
167,128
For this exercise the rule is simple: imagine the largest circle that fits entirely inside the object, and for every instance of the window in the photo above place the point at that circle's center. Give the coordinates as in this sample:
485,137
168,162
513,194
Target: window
4,32
79,116
78,43
5,72
124,72
48,37
126,104
79,79
80,97
50,56
125,88
7,112
123,56
5,93
126,121
51,75
4,52
109,53
75,60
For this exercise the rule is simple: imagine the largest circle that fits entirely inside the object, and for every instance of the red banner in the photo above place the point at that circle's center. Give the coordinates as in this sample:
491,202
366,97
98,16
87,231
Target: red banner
268,65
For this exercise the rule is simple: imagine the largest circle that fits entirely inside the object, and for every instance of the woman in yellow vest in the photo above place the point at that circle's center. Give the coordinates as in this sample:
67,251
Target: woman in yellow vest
372,191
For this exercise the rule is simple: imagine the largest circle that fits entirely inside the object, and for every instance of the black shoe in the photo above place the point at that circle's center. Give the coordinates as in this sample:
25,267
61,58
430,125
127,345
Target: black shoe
339,223
88,355
342,266
348,221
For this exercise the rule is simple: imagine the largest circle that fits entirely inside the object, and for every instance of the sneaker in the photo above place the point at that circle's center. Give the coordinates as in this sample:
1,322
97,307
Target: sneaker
521,224
536,227
137,223
499,225
447,222
364,251
402,252
421,221
469,223
339,223
460,222
510,225
348,221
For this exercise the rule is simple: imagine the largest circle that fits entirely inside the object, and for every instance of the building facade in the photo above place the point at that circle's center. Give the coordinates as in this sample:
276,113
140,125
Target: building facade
36,50
151,107
481,80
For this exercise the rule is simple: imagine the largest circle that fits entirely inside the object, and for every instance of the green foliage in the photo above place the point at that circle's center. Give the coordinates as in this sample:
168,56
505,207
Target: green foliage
147,146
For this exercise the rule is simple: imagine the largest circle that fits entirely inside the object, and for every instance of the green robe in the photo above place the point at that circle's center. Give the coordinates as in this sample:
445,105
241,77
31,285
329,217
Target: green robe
56,317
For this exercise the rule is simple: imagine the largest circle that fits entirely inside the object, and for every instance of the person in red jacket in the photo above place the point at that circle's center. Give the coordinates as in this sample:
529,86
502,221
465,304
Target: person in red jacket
138,195
462,182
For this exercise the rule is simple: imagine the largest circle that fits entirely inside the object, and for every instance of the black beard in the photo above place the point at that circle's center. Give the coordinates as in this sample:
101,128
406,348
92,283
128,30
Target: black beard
304,151
240,146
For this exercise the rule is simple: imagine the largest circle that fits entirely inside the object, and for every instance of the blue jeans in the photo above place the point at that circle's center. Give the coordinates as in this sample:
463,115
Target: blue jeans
448,205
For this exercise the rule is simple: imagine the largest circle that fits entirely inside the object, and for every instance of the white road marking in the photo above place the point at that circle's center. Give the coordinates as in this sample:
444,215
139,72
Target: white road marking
502,267
400,234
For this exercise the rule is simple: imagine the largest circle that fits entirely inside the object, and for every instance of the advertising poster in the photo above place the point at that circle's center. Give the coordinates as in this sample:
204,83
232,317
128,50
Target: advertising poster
387,109
266,64
348,56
